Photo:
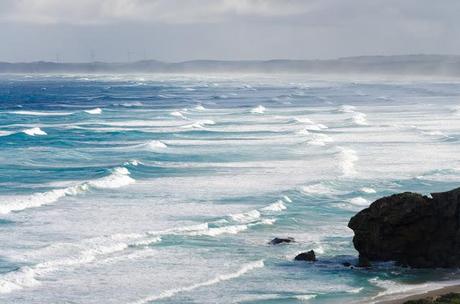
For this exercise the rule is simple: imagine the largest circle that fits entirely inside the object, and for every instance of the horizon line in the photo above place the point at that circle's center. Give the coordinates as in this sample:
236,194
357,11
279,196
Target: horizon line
228,60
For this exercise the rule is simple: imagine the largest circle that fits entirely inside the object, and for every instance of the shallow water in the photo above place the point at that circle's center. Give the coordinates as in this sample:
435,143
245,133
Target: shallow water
139,189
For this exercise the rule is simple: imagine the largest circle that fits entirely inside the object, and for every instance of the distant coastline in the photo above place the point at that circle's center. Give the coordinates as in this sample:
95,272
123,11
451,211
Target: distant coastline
420,65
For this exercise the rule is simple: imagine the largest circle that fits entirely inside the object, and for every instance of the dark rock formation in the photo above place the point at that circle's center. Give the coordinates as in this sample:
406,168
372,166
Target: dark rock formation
411,229
363,262
306,256
277,241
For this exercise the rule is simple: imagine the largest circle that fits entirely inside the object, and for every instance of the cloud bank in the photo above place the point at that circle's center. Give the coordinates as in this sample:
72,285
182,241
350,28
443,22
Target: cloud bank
172,30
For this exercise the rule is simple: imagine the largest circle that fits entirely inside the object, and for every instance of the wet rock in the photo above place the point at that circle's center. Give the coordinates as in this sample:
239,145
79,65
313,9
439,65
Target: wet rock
277,241
346,264
363,262
306,256
411,229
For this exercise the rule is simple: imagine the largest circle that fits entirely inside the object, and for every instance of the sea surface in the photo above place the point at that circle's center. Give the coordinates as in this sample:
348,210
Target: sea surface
167,188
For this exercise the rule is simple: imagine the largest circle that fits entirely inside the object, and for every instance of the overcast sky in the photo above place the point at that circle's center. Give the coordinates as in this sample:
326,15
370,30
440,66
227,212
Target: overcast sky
176,30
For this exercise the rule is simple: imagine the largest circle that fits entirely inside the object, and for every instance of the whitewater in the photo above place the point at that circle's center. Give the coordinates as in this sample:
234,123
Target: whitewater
167,189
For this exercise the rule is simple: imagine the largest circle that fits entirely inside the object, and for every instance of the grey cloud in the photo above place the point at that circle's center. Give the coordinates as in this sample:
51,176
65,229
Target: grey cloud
175,30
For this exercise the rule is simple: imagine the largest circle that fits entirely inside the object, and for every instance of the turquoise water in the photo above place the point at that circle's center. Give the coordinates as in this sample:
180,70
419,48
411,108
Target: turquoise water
166,189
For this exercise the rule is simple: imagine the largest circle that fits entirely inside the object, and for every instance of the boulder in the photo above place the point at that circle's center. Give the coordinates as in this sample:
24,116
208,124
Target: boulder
277,241
411,229
306,256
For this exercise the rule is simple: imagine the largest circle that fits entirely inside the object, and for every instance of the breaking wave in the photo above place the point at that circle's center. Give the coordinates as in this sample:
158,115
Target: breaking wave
199,108
258,110
118,178
94,111
200,124
177,114
223,277
155,145
86,252
347,109
91,250
359,119
34,132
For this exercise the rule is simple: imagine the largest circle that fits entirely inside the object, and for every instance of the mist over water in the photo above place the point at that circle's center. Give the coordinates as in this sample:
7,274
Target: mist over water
140,189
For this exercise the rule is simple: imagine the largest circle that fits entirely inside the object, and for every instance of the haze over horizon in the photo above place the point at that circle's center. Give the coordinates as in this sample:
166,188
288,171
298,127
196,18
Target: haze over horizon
177,30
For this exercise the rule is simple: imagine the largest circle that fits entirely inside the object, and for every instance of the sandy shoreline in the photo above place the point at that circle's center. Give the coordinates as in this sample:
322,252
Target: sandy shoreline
430,293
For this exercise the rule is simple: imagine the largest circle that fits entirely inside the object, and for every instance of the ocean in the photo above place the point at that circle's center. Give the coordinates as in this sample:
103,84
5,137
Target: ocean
168,188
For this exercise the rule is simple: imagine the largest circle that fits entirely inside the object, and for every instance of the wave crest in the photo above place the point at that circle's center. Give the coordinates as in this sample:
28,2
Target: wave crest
34,131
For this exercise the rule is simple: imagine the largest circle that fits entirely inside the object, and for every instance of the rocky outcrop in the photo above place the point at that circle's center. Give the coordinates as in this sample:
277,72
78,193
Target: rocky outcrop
411,229
277,241
309,256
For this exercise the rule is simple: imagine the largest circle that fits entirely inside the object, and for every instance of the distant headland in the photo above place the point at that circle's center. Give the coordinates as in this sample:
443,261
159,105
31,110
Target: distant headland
421,65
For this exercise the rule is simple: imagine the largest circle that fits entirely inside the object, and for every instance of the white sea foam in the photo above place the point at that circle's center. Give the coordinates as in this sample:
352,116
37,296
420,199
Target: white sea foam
268,221
303,132
287,199
94,111
347,109
367,190
118,178
200,108
215,231
347,158
223,277
260,109
12,281
321,189
303,120
19,203
34,131
85,252
246,217
277,206
177,114
359,201
98,249
391,287
319,139
305,298
36,113
147,242
200,124
133,162
355,290
155,145
315,127
201,229
359,119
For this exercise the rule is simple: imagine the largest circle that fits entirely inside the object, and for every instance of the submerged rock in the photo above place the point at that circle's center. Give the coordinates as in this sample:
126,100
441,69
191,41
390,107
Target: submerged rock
277,241
306,256
411,229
